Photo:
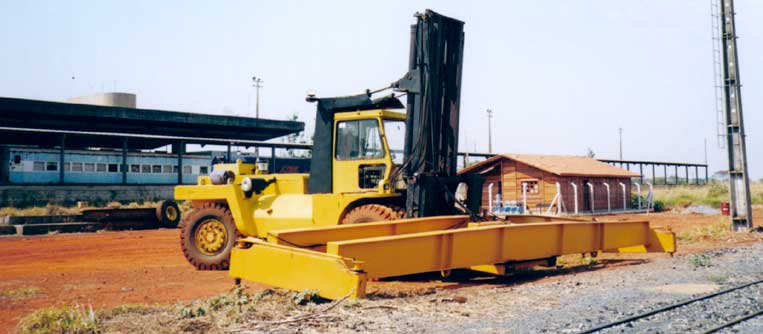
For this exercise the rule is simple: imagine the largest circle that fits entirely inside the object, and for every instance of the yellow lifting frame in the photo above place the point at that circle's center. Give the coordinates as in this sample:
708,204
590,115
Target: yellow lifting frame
351,254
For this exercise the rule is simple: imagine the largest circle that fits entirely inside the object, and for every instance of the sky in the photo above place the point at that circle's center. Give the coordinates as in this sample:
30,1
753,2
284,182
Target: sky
560,76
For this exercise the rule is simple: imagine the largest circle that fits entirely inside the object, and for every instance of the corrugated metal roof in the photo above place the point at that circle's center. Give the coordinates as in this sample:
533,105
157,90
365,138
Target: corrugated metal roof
562,165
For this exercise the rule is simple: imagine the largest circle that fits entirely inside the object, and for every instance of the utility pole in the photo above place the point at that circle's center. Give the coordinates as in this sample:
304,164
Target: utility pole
257,85
706,152
620,131
739,184
489,131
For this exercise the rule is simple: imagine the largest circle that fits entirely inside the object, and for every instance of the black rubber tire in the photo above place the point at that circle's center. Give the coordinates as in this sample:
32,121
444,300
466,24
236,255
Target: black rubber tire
220,260
370,213
163,214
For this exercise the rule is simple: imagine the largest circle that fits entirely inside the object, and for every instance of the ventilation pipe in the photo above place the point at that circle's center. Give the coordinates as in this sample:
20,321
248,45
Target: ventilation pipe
609,203
622,185
575,195
590,187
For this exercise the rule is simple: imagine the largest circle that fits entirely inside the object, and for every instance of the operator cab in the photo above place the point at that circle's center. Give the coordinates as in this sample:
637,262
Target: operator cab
368,147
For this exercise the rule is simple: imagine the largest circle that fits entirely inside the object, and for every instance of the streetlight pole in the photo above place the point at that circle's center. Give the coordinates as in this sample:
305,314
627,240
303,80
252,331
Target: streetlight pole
257,85
489,131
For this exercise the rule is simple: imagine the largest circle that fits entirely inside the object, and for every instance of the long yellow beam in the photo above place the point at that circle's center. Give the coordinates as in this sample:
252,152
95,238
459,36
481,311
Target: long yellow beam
354,253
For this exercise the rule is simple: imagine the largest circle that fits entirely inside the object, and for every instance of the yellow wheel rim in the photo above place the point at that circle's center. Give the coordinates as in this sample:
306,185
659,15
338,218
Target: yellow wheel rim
211,236
171,213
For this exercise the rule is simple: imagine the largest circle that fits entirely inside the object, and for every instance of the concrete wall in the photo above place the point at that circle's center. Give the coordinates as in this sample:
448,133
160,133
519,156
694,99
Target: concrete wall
22,196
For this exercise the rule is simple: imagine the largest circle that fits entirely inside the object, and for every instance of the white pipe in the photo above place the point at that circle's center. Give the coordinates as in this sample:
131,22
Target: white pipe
609,203
575,195
650,197
490,197
590,187
622,185
559,203
524,198
638,189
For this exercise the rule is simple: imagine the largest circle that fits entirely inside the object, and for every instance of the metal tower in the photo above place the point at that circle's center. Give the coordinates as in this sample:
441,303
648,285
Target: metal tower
729,85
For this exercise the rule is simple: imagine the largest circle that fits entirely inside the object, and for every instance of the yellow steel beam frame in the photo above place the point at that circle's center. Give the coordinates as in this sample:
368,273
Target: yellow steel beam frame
356,252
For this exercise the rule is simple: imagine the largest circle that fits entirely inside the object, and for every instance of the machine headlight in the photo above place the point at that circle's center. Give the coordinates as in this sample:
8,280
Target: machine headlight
246,184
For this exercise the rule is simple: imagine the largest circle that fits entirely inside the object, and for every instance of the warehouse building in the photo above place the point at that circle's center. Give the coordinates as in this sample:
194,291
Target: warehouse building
552,183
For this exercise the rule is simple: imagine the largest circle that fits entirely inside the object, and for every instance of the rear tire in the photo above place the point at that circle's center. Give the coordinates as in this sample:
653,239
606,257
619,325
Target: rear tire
207,237
369,213
168,214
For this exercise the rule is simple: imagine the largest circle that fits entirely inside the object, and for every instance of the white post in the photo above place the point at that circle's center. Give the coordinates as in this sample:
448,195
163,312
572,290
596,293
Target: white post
490,197
609,203
622,185
590,187
559,203
524,198
575,195
650,198
638,189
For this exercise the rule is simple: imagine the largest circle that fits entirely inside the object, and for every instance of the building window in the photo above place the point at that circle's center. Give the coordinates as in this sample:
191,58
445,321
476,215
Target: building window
531,186
67,166
38,166
51,166
203,170
76,166
89,167
167,169
113,168
186,169
134,168
100,168
156,169
145,168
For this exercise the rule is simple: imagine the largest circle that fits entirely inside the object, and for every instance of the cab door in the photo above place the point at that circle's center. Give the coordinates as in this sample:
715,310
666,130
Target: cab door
360,160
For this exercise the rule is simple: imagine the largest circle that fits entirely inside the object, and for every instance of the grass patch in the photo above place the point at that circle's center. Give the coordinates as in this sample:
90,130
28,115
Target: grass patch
700,260
20,293
711,195
224,313
720,230
62,319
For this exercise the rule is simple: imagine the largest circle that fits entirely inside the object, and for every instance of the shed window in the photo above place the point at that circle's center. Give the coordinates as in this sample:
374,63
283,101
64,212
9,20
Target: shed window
89,167
76,166
113,168
38,166
531,186
51,166
101,168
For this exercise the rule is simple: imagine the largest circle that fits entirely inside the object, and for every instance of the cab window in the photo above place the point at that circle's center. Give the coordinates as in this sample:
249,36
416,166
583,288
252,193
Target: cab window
358,140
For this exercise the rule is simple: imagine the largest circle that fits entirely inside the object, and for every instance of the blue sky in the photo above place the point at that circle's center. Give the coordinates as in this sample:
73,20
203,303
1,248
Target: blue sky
561,76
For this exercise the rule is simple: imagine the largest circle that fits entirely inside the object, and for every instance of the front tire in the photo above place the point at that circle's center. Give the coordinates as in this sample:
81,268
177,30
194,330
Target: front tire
207,237
369,213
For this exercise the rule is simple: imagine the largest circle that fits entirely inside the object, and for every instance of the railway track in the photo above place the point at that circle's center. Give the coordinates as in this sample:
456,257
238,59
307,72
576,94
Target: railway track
640,322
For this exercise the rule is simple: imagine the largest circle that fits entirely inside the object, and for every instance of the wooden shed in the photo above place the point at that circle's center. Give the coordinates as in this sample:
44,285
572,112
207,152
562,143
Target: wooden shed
539,175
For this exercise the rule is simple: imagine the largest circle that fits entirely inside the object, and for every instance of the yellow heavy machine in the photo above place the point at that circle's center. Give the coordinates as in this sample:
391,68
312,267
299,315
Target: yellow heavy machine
368,211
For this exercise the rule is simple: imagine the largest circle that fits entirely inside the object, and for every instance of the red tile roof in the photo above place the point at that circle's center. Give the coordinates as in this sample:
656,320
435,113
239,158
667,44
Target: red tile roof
562,165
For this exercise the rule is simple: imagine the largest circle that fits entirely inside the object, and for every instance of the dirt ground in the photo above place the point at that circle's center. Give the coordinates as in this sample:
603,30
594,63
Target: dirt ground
107,269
